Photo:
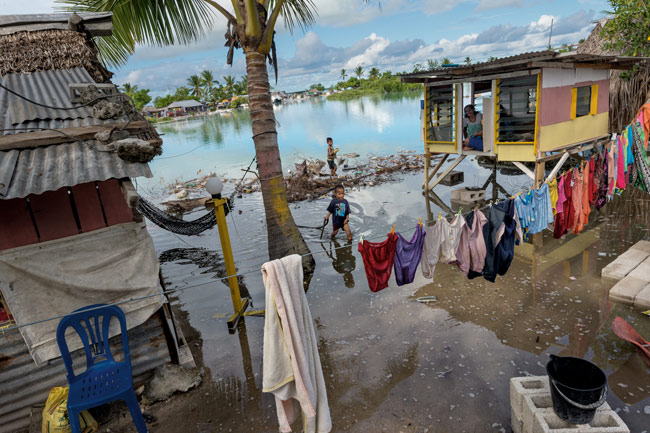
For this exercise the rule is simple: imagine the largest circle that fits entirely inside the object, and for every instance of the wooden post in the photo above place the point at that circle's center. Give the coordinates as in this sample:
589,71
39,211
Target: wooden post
539,173
427,167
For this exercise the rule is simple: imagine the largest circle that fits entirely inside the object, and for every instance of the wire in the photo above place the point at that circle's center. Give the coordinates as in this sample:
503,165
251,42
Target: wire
182,154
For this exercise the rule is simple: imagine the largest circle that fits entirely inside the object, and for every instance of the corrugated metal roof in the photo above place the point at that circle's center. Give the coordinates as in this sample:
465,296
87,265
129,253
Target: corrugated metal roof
23,384
185,104
35,171
49,88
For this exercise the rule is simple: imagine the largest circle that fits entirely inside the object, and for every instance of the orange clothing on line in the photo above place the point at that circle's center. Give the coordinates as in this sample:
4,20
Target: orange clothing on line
644,112
586,208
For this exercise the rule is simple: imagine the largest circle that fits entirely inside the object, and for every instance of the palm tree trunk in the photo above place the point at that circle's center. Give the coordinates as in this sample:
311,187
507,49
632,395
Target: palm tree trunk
284,238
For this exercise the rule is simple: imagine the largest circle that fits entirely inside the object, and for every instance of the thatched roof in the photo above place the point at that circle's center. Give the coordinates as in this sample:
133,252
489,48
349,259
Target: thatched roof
626,95
26,51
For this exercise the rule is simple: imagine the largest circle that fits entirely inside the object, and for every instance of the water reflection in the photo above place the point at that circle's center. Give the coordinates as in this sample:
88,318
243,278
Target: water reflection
343,260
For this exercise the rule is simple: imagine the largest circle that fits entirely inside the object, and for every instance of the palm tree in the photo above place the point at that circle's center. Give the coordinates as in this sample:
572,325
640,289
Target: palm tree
432,64
196,85
373,73
468,61
251,26
128,89
446,61
358,71
208,80
241,86
343,75
229,84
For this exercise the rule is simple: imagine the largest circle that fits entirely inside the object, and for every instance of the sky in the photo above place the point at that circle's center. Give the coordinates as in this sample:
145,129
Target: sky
394,36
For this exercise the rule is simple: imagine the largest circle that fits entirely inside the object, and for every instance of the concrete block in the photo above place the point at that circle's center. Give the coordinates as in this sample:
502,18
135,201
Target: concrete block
624,264
605,421
642,271
642,245
515,423
521,386
642,299
454,178
538,404
626,290
468,195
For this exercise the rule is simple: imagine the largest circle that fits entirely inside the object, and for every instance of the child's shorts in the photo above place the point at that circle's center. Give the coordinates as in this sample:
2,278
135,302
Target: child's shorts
330,163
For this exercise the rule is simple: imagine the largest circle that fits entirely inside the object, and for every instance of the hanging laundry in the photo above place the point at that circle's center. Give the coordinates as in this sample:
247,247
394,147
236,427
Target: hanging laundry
576,196
620,165
586,207
378,260
641,158
407,256
541,198
470,254
291,367
502,228
451,238
644,119
611,170
525,210
552,189
435,236
601,195
592,181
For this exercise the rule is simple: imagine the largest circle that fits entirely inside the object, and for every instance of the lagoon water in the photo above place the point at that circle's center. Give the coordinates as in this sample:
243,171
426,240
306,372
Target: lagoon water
391,363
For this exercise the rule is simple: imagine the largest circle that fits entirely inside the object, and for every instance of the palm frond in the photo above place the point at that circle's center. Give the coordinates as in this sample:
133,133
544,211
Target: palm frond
146,22
300,13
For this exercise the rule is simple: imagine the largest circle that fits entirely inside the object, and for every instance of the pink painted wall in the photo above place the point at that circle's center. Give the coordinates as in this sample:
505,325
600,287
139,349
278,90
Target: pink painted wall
556,102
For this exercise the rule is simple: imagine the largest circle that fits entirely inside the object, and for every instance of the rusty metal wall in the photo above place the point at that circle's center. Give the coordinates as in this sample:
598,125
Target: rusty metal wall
23,384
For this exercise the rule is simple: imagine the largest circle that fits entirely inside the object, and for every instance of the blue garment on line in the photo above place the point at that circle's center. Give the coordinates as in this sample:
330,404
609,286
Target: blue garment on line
499,257
525,211
543,209
408,255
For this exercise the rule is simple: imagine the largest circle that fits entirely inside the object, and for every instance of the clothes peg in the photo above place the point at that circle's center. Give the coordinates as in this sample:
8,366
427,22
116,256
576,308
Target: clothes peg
392,229
439,215
460,210
361,238
420,221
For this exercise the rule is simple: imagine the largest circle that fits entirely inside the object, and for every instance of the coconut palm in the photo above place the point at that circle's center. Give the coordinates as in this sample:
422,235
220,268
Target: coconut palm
358,71
251,26
129,89
241,86
373,73
196,85
432,64
468,60
229,85
343,75
446,61
208,81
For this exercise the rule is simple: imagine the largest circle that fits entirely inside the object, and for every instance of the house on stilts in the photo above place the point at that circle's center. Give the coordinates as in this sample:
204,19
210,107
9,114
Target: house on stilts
70,233
538,108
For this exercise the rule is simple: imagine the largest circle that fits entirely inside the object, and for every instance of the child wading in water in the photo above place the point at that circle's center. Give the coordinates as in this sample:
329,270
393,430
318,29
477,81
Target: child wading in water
340,208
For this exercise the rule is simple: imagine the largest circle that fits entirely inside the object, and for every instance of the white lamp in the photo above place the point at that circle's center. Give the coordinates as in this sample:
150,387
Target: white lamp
214,186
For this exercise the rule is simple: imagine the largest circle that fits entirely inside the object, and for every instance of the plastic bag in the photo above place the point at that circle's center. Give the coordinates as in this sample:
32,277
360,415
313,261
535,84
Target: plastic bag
55,414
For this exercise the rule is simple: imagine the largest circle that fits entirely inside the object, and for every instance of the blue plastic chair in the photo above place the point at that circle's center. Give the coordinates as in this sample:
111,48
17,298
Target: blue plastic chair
104,380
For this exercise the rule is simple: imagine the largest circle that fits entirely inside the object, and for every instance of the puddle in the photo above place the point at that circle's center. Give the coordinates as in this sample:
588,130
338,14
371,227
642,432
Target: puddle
394,364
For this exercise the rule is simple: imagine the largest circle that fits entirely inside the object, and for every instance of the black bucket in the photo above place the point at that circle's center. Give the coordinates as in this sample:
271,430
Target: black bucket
578,388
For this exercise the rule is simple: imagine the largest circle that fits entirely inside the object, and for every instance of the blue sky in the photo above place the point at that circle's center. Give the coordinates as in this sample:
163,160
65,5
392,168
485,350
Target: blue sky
349,33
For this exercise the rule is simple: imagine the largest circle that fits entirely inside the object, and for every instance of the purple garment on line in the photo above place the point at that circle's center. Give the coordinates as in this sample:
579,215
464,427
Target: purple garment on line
408,255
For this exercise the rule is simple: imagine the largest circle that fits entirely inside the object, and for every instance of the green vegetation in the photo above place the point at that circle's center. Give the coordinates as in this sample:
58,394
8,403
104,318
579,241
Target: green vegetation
140,96
628,30
204,87
159,119
239,102
377,82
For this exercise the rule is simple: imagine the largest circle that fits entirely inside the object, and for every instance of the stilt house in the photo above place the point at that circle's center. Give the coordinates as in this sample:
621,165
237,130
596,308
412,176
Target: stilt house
537,107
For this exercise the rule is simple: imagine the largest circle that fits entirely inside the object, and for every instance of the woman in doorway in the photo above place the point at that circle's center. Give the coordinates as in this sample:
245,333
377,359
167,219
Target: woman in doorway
472,129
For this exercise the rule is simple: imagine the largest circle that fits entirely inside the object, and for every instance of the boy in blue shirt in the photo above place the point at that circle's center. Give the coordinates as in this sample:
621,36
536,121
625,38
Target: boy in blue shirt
340,208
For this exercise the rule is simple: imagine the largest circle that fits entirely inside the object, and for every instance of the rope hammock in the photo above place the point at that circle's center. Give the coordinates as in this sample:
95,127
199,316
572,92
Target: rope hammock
177,225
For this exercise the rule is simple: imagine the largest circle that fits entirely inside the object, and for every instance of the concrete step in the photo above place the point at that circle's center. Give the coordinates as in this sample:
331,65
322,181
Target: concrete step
605,421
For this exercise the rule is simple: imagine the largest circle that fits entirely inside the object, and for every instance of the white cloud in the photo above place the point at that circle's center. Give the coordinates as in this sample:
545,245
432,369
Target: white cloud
484,5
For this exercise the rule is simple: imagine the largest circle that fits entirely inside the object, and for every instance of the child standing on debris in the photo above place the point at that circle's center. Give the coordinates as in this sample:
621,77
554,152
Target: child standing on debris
331,155
340,209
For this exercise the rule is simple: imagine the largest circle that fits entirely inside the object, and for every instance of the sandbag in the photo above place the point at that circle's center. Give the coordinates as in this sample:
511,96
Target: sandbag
55,414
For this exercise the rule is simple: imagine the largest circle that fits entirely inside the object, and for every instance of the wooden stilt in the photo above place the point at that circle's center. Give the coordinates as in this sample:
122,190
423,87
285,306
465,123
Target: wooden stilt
539,173
447,170
525,169
429,176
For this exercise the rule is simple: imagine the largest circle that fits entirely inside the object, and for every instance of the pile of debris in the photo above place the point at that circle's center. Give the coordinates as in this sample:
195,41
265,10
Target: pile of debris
310,180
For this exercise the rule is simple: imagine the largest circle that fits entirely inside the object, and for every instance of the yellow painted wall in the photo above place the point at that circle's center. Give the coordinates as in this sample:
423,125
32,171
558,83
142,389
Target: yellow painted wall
573,131
516,152
441,147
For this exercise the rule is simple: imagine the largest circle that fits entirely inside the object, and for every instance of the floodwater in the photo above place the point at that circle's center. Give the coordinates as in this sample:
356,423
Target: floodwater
392,363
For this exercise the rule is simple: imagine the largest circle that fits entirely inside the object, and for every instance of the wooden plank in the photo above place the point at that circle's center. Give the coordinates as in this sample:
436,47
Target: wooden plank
557,167
525,169
89,208
115,207
453,165
63,135
16,226
53,214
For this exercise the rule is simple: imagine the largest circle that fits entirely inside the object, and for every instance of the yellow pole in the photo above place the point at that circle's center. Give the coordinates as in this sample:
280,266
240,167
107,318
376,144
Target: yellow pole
227,253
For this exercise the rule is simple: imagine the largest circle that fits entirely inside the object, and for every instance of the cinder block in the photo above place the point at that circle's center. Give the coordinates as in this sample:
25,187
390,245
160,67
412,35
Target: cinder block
626,290
515,423
624,264
642,272
468,195
541,403
521,386
454,178
605,421
642,245
642,299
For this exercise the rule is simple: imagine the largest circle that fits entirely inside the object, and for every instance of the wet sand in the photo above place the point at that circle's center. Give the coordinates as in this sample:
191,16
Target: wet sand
394,364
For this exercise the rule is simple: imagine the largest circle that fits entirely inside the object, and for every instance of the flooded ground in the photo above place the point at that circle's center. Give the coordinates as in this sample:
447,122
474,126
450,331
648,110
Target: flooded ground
394,364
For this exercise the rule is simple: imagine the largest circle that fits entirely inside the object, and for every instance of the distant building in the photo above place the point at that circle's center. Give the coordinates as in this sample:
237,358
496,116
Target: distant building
183,108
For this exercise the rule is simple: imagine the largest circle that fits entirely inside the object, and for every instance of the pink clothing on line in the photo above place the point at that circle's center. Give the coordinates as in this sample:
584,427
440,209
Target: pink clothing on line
471,251
561,197
620,165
